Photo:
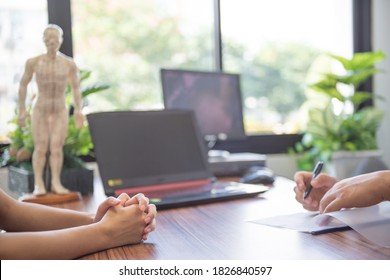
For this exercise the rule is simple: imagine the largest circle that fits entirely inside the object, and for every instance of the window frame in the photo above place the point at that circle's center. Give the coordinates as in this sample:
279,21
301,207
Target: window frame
59,12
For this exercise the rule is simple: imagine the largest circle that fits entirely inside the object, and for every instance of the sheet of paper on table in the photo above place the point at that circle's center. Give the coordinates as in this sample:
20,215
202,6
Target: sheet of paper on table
372,222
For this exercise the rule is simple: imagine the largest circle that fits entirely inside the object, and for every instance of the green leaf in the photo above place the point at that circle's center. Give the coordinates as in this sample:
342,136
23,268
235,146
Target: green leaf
93,89
366,59
347,63
328,86
358,77
360,60
360,97
84,75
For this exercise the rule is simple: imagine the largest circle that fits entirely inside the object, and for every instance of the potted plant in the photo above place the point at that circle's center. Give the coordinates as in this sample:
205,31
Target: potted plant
340,128
75,176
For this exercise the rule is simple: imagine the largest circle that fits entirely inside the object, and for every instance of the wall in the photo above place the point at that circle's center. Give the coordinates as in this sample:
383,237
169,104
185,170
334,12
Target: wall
381,40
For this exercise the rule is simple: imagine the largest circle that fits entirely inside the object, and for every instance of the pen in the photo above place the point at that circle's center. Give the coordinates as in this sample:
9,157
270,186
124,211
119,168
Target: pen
316,171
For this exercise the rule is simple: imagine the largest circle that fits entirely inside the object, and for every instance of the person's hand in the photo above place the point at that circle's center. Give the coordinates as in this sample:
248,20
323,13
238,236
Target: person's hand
150,220
110,202
149,209
144,206
320,185
123,225
125,200
359,191
104,206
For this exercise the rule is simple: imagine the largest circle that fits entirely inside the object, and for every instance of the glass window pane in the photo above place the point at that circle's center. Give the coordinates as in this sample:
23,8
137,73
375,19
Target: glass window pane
125,43
21,26
274,44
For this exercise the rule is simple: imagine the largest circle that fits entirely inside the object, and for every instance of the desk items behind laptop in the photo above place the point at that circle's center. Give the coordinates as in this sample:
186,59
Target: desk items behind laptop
161,154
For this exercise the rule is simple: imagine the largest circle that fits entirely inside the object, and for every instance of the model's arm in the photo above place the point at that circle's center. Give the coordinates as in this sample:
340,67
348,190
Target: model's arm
77,99
26,78
120,226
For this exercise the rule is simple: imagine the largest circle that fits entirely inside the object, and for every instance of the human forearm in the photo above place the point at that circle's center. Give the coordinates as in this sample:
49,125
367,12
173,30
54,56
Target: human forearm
384,188
35,217
119,226
58,244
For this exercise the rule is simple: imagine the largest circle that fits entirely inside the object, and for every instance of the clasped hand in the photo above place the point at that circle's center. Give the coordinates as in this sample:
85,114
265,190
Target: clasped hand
149,211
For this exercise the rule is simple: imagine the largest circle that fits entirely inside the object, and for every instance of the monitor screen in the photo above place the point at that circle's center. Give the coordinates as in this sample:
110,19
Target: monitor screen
215,97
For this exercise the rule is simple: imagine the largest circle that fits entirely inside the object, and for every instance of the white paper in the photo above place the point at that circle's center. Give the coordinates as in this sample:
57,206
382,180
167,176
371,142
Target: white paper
372,222
311,222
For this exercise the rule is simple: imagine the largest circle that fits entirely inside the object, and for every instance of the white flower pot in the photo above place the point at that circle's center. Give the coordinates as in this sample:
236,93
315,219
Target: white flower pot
346,164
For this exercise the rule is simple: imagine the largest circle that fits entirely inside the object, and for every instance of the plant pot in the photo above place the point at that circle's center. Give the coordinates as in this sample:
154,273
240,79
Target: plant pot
74,179
345,164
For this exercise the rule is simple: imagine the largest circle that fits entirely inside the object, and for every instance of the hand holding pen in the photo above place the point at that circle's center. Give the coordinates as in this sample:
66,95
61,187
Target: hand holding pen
316,171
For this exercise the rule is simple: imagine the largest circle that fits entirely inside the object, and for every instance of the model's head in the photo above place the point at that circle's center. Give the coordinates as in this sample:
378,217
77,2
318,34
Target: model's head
53,36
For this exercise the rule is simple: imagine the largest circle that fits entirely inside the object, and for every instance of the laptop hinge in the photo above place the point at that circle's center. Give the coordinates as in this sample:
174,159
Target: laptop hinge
171,187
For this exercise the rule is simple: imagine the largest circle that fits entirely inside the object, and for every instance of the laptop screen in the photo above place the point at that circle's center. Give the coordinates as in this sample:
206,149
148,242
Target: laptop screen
145,148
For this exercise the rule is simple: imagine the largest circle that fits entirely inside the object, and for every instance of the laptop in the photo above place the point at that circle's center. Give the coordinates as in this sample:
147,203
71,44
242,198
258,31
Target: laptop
161,154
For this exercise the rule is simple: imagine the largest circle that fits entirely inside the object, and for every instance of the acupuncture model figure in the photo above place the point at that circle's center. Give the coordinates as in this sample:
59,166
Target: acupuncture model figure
49,118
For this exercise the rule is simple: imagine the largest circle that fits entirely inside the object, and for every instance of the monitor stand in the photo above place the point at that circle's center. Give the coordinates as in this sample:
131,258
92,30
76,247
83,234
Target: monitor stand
223,163
211,140
218,154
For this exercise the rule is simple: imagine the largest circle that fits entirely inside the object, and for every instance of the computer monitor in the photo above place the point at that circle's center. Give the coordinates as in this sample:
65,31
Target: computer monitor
214,96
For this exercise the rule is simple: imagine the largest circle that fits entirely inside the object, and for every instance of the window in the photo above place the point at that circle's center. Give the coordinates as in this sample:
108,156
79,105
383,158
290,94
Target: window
125,43
274,45
21,27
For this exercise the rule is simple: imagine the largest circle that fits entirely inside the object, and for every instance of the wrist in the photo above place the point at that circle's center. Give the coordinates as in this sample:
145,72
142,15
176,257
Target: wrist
384,185
90,219
102,235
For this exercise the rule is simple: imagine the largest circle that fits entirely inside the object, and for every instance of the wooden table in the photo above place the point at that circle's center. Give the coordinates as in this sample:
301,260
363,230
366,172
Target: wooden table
223,231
